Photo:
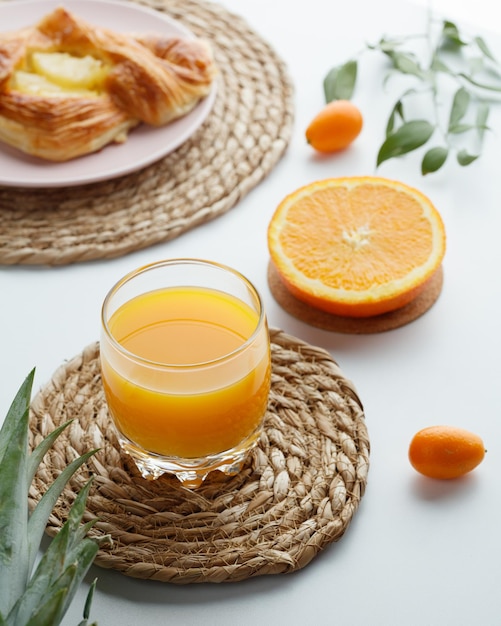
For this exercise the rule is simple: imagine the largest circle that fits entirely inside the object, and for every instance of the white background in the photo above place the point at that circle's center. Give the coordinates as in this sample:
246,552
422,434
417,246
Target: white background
418,552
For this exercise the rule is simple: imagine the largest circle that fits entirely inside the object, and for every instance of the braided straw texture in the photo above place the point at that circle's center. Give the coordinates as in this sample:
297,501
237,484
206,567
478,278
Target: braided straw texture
245,135
297,492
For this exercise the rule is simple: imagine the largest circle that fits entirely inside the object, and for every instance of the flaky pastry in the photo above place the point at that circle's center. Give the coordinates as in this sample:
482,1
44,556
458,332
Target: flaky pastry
133,78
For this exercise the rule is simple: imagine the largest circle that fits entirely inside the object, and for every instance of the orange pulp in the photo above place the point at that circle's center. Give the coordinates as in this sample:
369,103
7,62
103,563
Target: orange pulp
190,388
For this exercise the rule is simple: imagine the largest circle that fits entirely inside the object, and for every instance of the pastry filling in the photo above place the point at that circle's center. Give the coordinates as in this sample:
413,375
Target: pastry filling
60,73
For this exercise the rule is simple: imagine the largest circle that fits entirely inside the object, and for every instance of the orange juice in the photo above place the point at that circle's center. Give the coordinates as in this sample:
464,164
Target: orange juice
187,382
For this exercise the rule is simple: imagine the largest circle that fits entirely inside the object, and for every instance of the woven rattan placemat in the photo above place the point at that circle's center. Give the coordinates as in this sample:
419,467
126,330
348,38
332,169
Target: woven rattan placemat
297,493
245,135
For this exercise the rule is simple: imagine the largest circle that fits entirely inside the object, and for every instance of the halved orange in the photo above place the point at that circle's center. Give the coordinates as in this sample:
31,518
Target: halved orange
356,246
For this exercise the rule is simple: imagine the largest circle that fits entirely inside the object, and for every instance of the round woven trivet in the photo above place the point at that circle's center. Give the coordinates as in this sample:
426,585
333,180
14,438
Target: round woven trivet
353,325
246,133
297,492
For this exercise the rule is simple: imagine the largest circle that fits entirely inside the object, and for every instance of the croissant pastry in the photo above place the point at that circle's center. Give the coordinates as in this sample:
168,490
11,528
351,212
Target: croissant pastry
68,88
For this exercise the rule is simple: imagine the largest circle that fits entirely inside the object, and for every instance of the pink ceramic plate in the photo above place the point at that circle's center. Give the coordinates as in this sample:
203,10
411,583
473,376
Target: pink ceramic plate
145,144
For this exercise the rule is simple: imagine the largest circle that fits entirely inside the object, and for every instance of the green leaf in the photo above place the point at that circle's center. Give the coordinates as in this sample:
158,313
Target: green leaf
386,45
476,66
339,84
437,65
19,405
396,112
83,559
433,160
484,49
43,447
67,549
40,599
408,137
41,513
482,117
460,128
479,84
88,601
459,107
55,598
463,158
14,571
47,613
48,570
451,36
405,63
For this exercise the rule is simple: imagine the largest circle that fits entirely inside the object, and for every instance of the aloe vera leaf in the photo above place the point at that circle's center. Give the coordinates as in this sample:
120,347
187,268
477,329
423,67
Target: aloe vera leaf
19,405
14,570
39,517
43,447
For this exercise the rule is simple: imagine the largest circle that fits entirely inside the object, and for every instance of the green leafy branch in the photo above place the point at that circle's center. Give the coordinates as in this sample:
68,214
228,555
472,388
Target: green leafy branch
467,64
38,594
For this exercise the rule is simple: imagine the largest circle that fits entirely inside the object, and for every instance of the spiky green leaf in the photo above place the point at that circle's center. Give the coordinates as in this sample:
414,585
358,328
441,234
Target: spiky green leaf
40,599
41,513
339,84
14,569
84,556
48,611
43,447
88,601
19,405
69,549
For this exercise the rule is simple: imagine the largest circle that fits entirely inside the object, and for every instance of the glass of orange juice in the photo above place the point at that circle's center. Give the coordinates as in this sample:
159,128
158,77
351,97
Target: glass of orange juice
185,363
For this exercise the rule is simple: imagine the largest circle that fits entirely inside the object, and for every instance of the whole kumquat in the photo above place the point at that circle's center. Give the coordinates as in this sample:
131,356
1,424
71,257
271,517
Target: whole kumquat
445,452
356,246
336,126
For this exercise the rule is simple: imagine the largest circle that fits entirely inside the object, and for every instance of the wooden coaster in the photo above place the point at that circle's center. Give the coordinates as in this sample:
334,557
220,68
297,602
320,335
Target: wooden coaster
297,492
351,325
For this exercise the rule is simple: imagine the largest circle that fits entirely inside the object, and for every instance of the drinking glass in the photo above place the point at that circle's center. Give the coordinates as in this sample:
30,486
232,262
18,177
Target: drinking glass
186,366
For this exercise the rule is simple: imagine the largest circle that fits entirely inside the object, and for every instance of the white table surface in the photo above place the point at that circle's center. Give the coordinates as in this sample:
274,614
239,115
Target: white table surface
417,552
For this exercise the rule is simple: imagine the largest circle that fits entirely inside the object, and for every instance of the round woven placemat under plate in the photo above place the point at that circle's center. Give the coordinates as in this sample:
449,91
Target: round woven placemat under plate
245,135
297,493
